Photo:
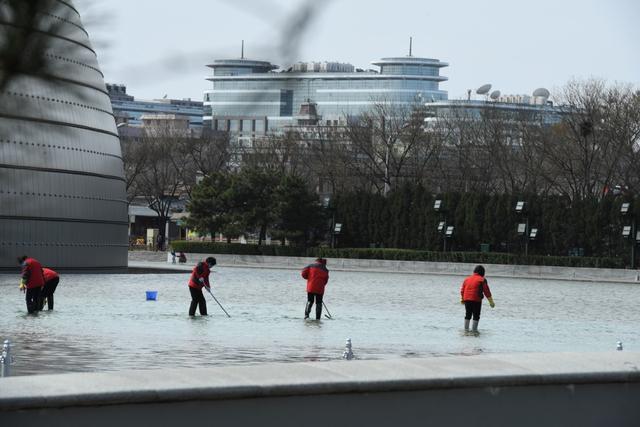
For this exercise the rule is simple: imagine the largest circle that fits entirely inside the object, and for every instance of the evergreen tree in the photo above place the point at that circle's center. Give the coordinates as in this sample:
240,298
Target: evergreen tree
298,215
253,198
210,208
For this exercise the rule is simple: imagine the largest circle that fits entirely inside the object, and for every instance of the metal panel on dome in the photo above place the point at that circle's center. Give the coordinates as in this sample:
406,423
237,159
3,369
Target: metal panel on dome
62,191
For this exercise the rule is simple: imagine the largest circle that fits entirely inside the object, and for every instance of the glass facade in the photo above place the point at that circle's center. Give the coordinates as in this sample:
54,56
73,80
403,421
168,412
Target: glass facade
129,110
474,110
62,191
255,92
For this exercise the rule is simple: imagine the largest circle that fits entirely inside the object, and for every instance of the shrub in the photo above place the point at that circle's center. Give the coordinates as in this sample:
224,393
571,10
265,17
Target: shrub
395,254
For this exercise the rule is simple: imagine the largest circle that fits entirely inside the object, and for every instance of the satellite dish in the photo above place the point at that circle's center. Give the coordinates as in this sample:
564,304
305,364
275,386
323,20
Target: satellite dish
484,89
495,95
541,92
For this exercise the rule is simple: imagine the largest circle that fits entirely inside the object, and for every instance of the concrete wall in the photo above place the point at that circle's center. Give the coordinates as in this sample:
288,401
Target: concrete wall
585,389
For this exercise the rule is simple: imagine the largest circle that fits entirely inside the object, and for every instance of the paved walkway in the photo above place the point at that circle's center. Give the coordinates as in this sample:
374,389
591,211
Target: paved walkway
143,261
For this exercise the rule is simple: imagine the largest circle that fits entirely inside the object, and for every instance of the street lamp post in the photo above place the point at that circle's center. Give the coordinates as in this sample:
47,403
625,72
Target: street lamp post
438,206
448,234
630,232
523,228
336,230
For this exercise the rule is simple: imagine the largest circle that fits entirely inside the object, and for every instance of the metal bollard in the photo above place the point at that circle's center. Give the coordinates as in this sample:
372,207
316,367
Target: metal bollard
348,352
6,359
619,346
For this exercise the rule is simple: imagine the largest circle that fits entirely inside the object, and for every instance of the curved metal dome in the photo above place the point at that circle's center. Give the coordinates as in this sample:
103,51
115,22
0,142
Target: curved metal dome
62,191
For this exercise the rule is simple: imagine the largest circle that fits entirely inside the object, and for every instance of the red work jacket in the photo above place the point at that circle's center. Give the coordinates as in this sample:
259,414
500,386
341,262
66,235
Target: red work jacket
200,271
49,274
32,273
317,277
474,287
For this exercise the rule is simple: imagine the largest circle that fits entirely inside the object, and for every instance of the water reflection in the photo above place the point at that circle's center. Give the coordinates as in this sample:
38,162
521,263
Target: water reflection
103,322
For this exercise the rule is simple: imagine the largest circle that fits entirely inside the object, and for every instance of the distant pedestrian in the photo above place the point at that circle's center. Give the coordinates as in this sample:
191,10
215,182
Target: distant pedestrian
198,280
51,280
31,282
474,288
159,242
317,276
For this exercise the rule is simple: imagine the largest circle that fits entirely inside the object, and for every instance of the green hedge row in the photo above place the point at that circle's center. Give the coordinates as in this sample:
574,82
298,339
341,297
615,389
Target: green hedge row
240,249
396,254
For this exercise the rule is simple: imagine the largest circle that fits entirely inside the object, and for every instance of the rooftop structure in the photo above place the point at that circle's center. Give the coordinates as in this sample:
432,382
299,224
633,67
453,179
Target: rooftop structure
130,111
536,105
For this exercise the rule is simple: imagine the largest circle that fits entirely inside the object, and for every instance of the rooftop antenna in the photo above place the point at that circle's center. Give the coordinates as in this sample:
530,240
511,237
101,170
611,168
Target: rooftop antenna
410,45
242,51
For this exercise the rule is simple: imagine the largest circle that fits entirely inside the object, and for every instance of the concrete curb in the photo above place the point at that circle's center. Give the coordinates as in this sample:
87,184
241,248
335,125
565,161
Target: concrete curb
403,267
317,378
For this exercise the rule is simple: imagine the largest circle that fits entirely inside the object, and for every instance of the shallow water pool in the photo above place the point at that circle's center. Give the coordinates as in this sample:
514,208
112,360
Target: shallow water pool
103,322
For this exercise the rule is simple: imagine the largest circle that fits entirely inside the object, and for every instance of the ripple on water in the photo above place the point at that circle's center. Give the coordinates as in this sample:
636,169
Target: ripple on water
103,322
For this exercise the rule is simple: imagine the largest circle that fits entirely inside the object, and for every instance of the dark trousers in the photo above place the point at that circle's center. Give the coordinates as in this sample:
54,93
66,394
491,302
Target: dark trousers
33,299
197,299
472,308
47,292
318,299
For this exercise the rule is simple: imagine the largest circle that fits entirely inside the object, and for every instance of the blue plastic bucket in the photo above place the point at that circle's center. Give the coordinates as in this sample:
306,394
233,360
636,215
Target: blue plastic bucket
152,295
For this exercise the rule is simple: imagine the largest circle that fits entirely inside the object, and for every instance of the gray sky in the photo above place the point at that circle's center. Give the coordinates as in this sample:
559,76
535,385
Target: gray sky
159,47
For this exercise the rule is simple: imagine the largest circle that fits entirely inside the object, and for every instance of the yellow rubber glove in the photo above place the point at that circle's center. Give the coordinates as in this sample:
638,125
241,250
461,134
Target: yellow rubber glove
491,303
23,285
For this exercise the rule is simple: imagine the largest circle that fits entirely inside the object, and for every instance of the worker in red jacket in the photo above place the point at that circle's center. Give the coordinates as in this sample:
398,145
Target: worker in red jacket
317,277
198,280
474,288
51,280
32,281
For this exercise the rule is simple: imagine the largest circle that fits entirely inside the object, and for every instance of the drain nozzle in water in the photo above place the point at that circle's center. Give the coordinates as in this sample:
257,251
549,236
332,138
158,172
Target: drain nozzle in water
348,352
6,359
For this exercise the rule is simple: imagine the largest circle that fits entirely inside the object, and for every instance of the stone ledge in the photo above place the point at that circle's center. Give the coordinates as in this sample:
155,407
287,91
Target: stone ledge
405,267
317,378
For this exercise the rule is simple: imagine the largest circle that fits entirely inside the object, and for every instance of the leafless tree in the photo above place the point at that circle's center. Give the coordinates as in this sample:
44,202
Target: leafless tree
329,159
160,182
386,142
281,152
426,151
532,129
624,126
510,138
134,159
586,148
203,152
464,164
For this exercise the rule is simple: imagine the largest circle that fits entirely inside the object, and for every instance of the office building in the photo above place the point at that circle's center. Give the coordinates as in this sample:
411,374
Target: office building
495,106
128,110
250,97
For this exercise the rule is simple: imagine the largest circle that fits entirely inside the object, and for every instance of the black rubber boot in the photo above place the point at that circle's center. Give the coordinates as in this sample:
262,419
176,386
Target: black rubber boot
192,308
307,309
203,308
